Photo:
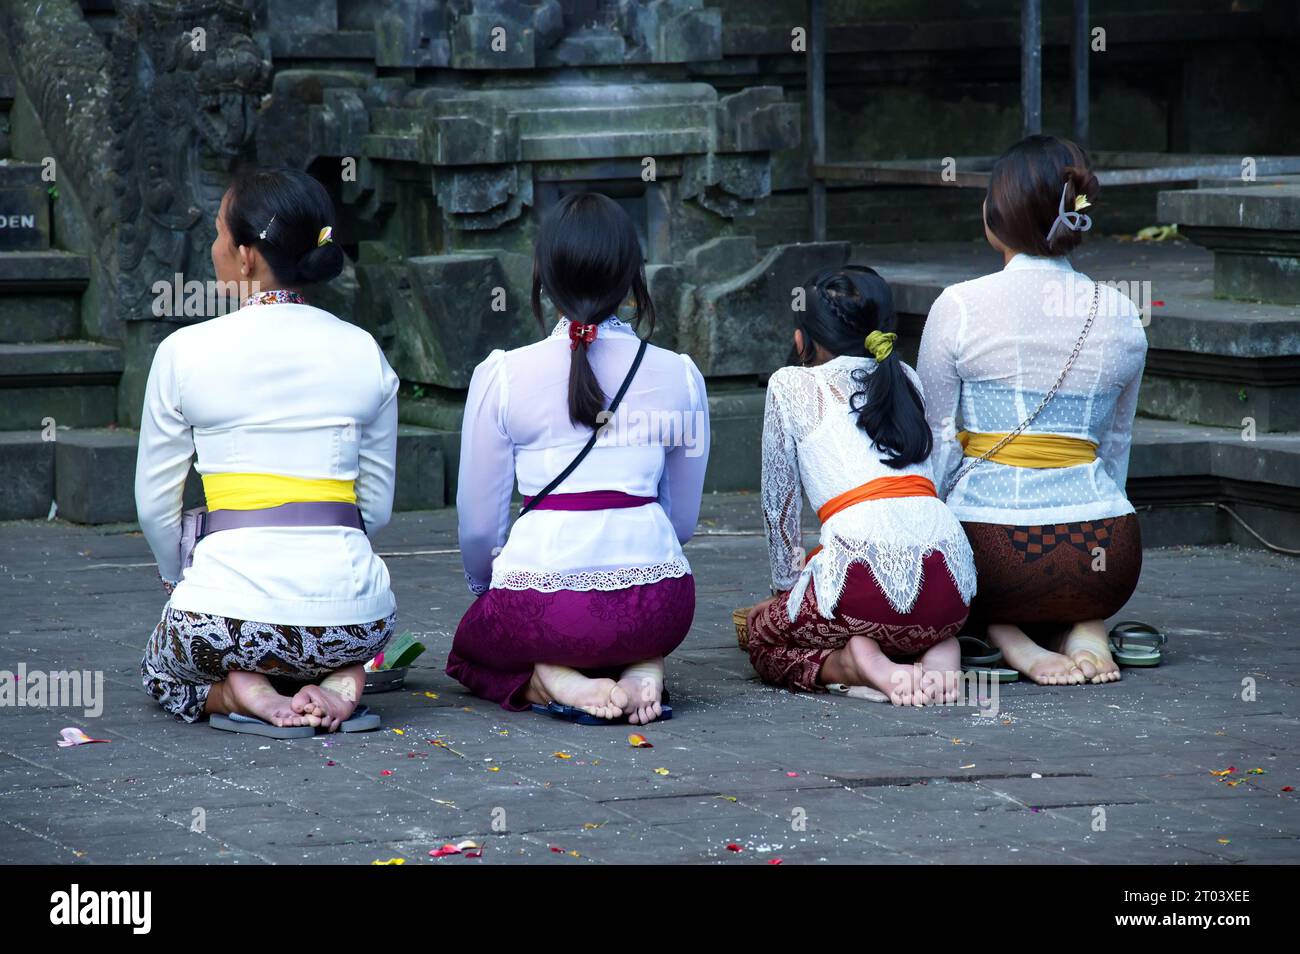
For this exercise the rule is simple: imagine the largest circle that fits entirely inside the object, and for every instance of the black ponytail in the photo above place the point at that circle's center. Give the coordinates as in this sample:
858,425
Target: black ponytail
588,259
281,213
843,308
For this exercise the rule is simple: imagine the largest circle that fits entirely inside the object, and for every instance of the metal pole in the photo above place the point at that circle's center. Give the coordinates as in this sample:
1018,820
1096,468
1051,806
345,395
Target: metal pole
816,119
1031,67
1079,66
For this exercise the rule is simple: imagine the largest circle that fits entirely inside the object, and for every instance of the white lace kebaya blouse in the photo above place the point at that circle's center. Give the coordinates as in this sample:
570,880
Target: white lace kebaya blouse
812,443
517,427
992,347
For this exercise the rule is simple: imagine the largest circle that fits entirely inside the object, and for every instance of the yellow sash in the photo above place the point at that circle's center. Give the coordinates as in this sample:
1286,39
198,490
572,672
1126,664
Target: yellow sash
1030,450
261,491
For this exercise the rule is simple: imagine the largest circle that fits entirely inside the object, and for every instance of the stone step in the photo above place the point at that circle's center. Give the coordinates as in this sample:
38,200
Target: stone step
72,383
1182,477
91,473
43,272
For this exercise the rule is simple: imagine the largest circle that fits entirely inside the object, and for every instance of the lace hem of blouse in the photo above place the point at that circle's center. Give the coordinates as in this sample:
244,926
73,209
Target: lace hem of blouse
899,571
586,580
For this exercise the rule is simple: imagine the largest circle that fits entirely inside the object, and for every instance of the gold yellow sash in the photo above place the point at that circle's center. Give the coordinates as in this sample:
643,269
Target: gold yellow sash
261,491
1030,450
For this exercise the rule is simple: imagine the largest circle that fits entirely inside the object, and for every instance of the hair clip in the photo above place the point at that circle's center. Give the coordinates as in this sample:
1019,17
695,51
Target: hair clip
1075,221
580,333
325,236
262,234
880,344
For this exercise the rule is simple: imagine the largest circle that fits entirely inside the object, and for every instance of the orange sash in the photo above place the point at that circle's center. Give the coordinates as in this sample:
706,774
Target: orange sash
882,488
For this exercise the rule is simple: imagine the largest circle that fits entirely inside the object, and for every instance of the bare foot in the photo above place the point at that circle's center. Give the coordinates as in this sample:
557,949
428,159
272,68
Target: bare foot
643,682
1087,645
333,701
1028,658
251,694
861,663
602,698
941,668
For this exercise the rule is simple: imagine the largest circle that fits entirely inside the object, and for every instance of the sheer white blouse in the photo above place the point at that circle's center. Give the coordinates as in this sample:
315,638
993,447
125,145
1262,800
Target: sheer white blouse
812,443
517,427
991,349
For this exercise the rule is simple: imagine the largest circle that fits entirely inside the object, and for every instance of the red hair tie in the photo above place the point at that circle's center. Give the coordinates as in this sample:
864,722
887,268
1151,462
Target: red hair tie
584,333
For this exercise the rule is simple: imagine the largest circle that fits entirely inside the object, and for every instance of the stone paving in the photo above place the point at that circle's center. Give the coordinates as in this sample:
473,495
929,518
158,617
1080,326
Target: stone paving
1121,773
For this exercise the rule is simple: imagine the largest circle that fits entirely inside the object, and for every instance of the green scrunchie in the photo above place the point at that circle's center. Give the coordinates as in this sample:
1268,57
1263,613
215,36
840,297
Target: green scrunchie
880,344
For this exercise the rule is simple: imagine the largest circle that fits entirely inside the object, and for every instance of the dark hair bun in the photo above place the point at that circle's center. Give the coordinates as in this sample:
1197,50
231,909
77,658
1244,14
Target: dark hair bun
281,213
320,264
1025,194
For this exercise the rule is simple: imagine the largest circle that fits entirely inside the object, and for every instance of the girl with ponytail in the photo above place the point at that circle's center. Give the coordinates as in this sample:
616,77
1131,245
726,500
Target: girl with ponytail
582,598
875,608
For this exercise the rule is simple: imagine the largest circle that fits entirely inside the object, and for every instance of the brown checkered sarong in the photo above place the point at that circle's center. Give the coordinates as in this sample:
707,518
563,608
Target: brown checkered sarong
1055,573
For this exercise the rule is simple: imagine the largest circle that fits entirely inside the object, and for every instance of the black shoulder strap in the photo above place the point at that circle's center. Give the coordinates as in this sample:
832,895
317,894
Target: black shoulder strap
595,434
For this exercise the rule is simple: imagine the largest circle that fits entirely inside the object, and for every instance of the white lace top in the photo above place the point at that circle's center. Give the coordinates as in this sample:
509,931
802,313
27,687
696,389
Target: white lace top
812,443
992,348
517,427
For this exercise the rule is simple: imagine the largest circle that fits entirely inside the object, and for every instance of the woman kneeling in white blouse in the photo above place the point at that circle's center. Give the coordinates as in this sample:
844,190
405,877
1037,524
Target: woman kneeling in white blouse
578,605
1044,365
293,414
879,602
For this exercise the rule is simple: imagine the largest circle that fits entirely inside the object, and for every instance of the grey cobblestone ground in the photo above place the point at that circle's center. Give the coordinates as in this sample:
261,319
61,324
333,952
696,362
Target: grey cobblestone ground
800,779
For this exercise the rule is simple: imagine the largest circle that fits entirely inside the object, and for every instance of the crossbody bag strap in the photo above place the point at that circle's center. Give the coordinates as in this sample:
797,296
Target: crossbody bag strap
973,462
595,434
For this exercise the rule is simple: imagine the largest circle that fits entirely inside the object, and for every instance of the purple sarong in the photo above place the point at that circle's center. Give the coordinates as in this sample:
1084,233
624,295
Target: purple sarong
506,632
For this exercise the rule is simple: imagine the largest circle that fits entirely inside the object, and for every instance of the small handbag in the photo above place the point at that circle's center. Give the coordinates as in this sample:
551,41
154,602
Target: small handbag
595,435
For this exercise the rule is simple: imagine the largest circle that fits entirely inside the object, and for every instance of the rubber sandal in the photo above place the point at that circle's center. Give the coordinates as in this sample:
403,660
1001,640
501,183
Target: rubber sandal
250,726
865,693
361,720
1133,643
573,714
980,657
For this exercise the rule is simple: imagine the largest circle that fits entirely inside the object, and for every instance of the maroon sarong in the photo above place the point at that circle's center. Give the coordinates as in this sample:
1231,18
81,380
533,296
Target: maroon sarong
791,654
600,632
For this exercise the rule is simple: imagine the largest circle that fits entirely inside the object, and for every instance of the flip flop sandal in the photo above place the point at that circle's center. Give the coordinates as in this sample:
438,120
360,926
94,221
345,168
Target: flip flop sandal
741,618
1134,643
979,656
250,726
865,693
574,714
361,720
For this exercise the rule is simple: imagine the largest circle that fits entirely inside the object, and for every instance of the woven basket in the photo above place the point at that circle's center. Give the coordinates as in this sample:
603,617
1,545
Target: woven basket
742,626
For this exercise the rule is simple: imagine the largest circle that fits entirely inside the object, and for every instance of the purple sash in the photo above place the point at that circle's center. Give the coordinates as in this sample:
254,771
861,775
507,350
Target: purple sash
591,500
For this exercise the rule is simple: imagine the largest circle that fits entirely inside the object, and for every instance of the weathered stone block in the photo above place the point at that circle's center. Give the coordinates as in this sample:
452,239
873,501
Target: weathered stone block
412,33
38,317
757,119
448,312
743,324
1254,233
26,475
94,476
492,42
421,480
294,16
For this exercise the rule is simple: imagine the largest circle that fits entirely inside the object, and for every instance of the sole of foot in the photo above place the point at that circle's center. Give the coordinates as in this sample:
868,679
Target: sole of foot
643,684
869,666
255,697
602,698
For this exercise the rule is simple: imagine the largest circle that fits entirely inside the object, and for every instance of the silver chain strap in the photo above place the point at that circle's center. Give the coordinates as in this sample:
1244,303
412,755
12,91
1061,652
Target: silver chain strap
973,462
